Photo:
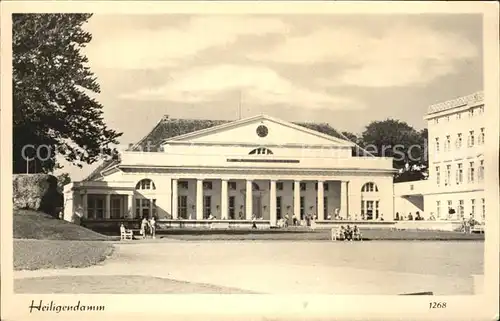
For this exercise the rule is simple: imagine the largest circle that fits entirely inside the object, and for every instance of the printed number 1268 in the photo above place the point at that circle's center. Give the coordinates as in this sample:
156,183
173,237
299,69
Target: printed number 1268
437,305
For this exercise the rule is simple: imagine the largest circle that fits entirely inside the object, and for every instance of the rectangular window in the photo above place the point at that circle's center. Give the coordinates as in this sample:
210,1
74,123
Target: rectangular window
302,186
473,207
450,206
483,210
470,141
436,120
279,186
95,207
325,208
141,208
278,207
471,172
232,209
447,180
438,209
116,206
448,118
481,137
471,112
438,176
183,184
448,143
231,186
376,210
207,206
363,210
459,115
437,144
460,174
461,208
459,141
302,207
207,185
480,172
369,210
182,206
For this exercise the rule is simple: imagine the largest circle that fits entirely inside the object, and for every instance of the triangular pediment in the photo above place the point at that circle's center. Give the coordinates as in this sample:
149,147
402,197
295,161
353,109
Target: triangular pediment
260,130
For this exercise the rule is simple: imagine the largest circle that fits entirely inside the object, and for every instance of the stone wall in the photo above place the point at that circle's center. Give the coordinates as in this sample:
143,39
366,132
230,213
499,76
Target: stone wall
37,192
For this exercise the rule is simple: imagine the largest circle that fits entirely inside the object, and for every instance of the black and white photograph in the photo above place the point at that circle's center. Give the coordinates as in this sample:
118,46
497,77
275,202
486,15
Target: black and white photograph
249,153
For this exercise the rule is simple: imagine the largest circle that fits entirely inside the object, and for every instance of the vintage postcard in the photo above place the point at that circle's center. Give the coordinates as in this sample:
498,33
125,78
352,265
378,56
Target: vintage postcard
250,160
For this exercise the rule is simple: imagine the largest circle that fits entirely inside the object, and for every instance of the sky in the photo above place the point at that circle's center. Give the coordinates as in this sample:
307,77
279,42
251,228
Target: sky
346,70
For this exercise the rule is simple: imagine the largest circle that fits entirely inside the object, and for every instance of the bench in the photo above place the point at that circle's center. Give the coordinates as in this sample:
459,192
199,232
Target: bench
478,229
126,234
219,225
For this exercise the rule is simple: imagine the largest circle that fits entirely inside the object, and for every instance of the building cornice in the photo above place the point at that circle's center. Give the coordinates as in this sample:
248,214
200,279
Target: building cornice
260,170
465,101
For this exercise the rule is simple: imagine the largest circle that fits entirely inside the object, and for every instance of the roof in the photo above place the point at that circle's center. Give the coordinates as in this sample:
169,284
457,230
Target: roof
172,127
471,100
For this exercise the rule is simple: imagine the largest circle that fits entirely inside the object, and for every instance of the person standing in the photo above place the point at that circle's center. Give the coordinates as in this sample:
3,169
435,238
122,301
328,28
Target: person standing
152,226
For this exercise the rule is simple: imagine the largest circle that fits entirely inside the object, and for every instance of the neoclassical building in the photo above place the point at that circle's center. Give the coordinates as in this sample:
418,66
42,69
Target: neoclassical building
456,163
262,168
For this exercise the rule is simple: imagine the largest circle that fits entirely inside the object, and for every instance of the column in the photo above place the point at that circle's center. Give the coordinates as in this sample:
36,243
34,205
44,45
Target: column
321,202
85,205
272,205
199,199
150,207
174,211
343,199
107,213
130,206
296,199
248,202
223,200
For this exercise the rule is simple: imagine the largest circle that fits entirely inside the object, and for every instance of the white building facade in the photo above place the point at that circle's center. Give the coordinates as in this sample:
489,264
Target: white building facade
456,158
456,163
256,169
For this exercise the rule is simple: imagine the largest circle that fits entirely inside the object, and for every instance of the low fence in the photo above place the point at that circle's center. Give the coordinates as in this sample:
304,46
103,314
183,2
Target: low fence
112,226
361,224
429,225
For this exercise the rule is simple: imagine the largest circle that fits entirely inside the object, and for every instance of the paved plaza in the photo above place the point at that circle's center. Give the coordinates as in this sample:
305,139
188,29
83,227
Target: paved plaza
297,267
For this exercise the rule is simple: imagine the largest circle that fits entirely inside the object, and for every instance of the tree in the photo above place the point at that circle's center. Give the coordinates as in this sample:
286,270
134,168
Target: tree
63,179
393,138
53,113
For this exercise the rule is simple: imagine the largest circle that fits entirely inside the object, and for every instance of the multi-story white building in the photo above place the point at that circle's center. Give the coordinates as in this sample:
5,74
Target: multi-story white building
456,157
456,165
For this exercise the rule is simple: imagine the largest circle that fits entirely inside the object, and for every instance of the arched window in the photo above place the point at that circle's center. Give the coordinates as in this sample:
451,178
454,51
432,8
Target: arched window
369,187
145,184
261,151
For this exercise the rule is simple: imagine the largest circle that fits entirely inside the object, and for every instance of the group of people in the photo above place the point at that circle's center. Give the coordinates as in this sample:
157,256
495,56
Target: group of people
148,226
346,233
410,217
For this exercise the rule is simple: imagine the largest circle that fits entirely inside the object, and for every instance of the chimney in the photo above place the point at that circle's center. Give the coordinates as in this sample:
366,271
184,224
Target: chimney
165,117
130,145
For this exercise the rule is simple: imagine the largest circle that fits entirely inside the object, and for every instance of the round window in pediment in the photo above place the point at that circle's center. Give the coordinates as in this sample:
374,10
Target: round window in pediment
262,131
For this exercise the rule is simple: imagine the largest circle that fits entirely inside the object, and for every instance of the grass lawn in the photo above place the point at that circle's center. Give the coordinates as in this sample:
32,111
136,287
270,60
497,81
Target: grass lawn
116,284
51,254
40,226
310,235
43,242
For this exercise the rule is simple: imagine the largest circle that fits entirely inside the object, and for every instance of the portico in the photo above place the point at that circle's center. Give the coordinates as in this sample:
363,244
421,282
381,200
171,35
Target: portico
258,169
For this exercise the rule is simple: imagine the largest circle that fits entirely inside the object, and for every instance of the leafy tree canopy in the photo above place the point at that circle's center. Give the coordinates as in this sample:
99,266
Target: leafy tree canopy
53,113
397,139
